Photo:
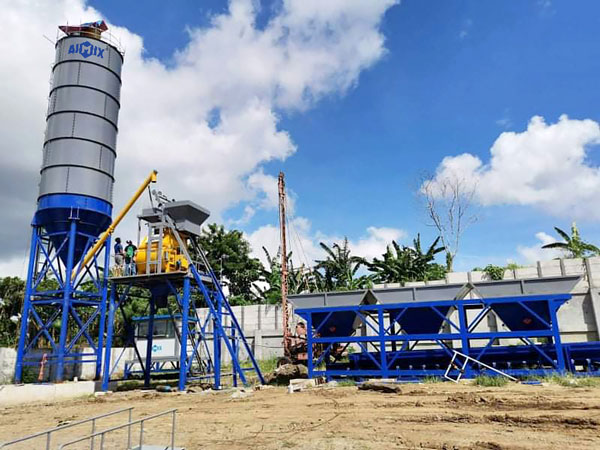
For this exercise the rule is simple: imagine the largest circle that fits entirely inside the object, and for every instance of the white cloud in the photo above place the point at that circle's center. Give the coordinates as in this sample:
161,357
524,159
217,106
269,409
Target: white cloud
545,166
304,243
208,121
536,252
465,29
375,241
504,122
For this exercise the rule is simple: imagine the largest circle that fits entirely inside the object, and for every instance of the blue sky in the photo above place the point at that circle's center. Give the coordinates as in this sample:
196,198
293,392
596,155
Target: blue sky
456,75
449,78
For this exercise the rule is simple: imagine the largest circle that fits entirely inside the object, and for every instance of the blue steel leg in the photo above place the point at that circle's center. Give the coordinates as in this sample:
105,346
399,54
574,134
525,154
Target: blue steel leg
309,345
183,358
26,305
560,356
109,335
149,339
382,352
66,304
464,336
102,306
217,343
237,356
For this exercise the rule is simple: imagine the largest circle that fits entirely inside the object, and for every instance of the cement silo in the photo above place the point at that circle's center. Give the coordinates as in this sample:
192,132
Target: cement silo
81,134
74,204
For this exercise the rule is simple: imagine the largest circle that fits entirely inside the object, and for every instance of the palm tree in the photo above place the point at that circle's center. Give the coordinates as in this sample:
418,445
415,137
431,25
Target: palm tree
340,268
400,264
573,245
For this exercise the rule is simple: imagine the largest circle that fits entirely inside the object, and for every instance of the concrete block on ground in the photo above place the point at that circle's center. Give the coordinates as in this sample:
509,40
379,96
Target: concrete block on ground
11,395
8,358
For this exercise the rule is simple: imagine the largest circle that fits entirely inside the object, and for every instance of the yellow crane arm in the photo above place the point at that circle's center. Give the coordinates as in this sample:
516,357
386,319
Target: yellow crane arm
92,251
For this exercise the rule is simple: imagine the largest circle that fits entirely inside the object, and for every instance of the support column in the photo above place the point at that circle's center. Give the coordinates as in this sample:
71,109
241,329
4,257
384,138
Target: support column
560,356
183,357
26,305
66,303
149,339
102,307
236,353
464,339
382,352
109,335
309,345
217,342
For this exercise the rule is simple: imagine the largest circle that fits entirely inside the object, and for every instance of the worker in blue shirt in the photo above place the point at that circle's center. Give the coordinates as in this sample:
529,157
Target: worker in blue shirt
119,258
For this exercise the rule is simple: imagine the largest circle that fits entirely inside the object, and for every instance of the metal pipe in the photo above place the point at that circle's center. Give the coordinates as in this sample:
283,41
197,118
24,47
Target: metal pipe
173,432
111,228
141,434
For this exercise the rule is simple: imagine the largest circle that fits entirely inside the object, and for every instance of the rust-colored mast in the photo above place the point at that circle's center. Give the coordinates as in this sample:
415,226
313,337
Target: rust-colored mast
284,270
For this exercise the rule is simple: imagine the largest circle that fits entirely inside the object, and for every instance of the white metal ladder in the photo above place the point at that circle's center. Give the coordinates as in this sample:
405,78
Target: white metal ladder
461,369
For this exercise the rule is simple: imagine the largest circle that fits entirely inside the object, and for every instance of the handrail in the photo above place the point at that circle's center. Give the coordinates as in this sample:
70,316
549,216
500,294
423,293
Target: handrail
63,427
129,424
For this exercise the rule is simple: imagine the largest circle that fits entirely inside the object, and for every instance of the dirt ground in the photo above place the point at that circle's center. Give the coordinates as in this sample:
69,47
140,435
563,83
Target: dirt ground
423,416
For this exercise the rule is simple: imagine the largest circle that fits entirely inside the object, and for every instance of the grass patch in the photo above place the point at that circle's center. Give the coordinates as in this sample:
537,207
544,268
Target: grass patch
133,384
432,379
488,381
346,382
571,381
268,365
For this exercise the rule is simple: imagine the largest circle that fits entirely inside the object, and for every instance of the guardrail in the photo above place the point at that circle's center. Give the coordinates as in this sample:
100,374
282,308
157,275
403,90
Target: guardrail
49,432
102,434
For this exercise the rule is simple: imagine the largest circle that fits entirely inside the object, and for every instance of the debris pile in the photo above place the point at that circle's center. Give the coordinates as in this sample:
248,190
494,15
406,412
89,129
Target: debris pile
283,374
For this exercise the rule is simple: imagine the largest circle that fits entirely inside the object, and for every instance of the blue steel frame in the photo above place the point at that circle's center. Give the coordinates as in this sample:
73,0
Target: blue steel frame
182,287
158,367
64,305
380,348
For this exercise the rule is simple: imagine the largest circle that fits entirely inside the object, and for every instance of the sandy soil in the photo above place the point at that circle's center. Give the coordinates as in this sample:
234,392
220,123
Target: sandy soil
424,416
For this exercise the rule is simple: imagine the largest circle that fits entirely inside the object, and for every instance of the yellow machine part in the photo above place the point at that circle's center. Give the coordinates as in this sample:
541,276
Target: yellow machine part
173,259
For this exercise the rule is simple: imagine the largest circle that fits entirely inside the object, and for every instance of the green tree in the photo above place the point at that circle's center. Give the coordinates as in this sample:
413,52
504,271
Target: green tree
400,264
339,268
299,280
494,272
574,246
12,292
229,255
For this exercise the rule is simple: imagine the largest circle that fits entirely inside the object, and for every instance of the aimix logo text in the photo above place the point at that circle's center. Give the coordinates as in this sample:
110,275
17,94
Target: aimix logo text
87,49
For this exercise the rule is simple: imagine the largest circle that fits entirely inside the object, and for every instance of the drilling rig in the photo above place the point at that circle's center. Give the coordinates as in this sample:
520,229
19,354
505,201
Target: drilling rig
294,344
